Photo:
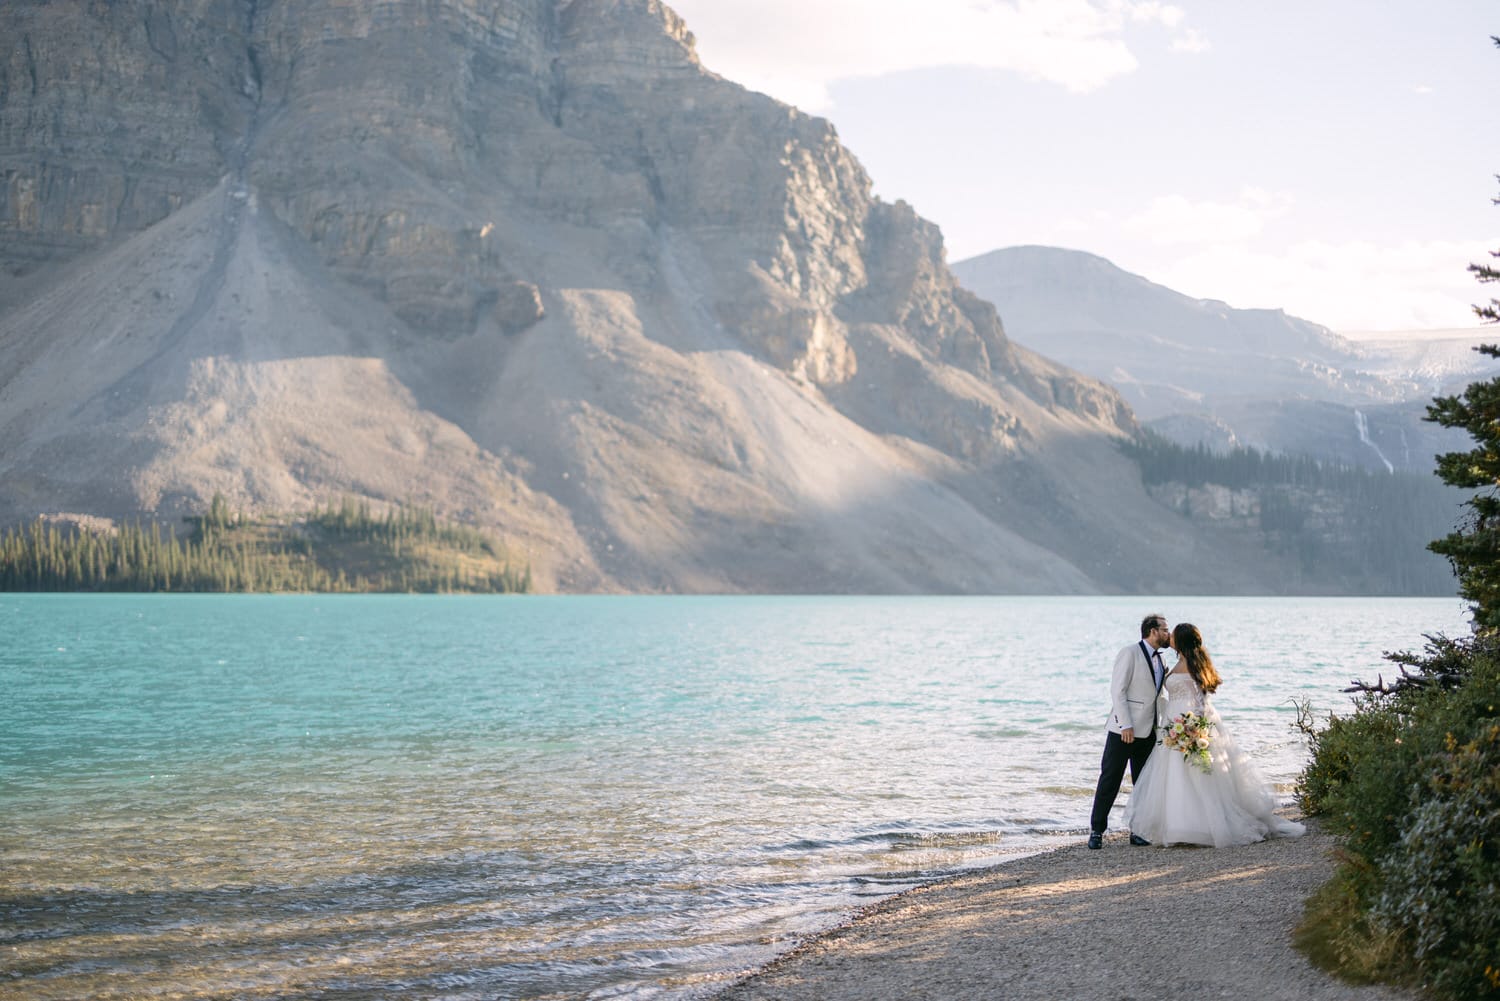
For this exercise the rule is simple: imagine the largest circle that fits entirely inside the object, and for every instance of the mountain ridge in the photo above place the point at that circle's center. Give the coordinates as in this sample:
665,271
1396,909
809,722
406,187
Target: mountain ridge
1201,371
528,264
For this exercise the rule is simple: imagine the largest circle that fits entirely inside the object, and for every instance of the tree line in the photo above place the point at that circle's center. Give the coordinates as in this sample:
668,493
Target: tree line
1163,461
1342,523
340,548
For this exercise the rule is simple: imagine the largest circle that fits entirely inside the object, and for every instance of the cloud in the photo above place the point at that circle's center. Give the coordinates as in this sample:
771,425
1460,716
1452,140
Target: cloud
1350,286
1175,219
1169,15
795,50
1190,41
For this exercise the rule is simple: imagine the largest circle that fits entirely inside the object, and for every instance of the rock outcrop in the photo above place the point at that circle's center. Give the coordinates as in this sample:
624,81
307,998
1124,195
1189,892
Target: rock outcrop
530,263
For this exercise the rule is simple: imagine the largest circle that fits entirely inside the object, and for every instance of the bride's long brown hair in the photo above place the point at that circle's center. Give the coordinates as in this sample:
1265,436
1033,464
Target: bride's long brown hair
1188,642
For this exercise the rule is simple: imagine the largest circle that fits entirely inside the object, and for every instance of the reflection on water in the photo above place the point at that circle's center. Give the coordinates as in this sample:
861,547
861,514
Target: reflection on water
290,797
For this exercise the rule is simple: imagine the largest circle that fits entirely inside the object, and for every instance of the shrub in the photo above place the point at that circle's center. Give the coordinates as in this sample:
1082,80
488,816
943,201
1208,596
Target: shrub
1339,932
1341,781
1443,884
1412,779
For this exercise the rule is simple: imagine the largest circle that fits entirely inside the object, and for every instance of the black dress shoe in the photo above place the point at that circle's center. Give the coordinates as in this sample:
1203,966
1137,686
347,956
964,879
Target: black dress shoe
1136,839
1096,840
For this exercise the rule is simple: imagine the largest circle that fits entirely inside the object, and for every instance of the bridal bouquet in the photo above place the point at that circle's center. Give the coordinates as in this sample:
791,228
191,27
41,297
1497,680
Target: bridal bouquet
1189,735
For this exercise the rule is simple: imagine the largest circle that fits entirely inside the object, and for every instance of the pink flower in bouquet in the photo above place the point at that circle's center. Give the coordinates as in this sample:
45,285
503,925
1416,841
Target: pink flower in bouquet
1189,734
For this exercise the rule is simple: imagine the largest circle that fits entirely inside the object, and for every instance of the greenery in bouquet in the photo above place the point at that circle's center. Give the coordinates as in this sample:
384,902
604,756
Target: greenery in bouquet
1190,735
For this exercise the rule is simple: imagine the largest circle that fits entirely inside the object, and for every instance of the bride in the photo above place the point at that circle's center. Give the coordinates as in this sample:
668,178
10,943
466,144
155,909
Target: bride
1192,795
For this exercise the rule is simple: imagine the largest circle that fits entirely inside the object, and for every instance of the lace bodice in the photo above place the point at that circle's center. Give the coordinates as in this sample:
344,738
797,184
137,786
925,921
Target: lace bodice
1182,694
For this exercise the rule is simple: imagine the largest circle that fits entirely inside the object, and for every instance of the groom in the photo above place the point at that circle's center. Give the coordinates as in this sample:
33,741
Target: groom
1133,688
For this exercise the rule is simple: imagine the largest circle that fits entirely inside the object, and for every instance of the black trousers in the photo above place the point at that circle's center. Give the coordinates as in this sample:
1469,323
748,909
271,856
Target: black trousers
1117,754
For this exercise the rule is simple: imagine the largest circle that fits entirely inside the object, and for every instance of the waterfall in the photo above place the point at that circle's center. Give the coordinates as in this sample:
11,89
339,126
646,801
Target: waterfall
1362,425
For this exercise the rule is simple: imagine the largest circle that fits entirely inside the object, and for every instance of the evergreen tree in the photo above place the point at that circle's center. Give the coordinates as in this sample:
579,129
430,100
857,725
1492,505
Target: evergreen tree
1474,549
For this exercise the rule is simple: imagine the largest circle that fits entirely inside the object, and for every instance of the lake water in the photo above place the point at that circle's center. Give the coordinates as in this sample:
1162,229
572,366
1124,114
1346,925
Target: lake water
561,797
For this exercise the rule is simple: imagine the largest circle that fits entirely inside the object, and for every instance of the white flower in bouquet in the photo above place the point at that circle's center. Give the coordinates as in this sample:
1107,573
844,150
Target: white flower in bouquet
1189,734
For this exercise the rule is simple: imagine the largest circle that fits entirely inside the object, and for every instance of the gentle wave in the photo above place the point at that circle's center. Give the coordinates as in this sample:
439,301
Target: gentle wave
387,797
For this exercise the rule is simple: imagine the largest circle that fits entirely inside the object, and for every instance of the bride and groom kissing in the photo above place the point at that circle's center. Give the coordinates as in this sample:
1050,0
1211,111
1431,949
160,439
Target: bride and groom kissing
1191,785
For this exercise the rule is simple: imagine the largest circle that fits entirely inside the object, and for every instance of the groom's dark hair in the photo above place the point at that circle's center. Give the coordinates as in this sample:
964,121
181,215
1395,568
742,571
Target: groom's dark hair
1150,622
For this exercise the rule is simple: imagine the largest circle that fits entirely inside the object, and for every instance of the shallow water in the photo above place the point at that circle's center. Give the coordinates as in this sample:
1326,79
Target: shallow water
478,797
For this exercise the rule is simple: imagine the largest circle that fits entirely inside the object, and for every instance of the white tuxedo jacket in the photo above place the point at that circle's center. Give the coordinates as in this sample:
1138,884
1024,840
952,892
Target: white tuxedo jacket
1133,691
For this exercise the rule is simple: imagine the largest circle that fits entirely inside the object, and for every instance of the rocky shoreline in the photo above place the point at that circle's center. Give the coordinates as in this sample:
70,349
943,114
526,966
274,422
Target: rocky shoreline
1122,924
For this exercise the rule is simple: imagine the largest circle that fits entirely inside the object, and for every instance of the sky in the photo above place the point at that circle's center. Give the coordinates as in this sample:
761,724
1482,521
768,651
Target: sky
1332,158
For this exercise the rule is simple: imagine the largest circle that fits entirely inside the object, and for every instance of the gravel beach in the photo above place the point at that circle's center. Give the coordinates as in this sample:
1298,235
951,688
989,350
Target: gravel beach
1123,924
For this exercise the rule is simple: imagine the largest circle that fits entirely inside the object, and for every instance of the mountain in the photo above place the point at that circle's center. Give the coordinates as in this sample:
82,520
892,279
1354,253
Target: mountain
1198,370
1162,348
528,264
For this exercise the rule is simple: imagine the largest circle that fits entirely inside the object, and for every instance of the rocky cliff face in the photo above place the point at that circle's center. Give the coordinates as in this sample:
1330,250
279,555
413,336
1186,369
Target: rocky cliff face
529,262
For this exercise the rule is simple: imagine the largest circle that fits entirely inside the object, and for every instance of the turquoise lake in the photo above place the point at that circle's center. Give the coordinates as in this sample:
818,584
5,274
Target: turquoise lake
383,797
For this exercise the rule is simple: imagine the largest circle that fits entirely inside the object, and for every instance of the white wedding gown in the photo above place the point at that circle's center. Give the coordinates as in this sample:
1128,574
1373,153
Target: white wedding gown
1177,803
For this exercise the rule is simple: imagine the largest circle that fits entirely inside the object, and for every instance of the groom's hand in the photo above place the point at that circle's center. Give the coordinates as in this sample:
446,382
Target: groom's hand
1127,735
